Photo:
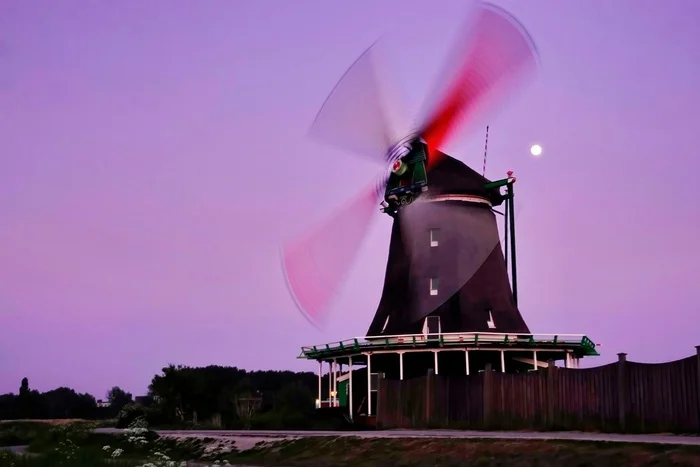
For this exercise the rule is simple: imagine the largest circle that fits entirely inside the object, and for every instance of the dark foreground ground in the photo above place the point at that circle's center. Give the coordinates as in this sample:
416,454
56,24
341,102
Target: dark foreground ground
386,452
395,452
84,447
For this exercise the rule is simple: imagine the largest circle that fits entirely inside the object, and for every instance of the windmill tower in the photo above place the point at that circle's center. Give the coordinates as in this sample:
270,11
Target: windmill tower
447,304
446,271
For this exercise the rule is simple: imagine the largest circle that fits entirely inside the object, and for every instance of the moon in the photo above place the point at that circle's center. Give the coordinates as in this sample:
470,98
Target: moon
536,150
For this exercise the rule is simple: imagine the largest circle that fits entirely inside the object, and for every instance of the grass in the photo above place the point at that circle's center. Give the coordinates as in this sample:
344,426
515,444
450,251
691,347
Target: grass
91,445
57,459
22,432
50,446
397,452
18,433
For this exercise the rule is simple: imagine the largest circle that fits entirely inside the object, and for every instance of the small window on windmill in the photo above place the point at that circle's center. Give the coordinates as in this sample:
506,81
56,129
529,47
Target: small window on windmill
434,237
490,323
433,286
385,323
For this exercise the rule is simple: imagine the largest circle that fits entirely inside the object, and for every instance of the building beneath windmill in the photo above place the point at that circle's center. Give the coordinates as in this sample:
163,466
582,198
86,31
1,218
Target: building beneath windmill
449,304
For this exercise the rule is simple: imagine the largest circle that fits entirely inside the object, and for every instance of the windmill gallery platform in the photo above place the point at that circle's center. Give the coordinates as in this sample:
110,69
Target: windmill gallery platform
453,354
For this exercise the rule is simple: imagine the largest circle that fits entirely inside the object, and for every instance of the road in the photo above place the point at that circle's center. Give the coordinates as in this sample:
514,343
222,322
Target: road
522,435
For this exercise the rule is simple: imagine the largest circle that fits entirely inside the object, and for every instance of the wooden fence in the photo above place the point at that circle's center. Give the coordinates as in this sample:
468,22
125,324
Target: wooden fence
619,397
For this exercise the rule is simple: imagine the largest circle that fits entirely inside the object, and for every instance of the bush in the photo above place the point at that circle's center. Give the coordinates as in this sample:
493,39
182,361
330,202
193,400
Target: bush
21,433
128,414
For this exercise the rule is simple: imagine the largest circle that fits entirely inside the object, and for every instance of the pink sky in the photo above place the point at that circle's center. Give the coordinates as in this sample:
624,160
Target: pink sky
154,155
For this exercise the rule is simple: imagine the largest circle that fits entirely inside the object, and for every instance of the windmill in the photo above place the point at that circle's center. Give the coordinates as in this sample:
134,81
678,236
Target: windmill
446,284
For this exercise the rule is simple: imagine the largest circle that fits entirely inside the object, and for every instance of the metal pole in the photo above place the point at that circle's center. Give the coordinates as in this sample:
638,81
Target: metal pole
466,358
401,365
505,229
511,221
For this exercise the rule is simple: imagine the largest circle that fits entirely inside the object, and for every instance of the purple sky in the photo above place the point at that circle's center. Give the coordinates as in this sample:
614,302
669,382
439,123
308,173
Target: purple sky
149,169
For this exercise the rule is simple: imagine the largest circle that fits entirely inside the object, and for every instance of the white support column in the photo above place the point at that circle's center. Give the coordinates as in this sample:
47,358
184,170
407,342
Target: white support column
335,383
320,382
534,358
503,362
369,384
401,365
350,388
340,373
435,352
330,383
466,361
567,360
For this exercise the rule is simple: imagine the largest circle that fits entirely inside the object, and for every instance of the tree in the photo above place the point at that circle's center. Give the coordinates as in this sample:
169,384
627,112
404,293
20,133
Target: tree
66,403
294,397
24,388
246,406
118,398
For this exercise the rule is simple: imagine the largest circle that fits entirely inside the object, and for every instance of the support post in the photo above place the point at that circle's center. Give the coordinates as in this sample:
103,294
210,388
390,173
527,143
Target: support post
401,365
350,388
697,352
534,358
320,383
466,361
334,399
503,362
511,221
622,389
435,352
369,384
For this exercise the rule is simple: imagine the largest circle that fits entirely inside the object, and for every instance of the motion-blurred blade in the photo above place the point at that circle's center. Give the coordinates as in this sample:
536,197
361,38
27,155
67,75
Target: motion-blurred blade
488,58
316,264
449,243
353,117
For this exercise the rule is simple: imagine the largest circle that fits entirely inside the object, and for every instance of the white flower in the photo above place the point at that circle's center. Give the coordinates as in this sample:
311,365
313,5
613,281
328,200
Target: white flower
117,452
106,448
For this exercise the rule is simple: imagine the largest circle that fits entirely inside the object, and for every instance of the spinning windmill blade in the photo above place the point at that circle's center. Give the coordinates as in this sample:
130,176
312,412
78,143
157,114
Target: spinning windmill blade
353,118
315,264
491,55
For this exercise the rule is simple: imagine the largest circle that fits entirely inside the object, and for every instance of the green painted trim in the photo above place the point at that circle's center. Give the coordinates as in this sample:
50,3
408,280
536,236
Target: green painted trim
496,183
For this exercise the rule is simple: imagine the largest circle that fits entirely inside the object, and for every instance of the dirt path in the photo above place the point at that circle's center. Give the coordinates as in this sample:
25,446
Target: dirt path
246,437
